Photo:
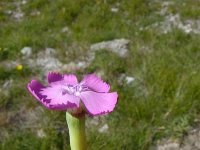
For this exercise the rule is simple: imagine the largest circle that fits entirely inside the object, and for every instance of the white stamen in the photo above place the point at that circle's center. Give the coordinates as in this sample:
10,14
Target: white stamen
74,89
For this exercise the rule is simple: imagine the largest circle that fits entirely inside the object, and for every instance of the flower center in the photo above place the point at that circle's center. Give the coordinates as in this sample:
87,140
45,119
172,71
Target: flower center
74,89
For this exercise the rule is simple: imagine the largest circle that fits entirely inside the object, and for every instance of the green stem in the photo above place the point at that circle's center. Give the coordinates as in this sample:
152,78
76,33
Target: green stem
76,125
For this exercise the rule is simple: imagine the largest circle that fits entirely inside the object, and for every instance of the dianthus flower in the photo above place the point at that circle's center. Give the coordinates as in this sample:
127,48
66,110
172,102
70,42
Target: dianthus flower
64,92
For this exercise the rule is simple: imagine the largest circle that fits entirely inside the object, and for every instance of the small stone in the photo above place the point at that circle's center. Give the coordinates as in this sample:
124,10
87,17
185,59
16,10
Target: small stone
50,51
26,51
24,2
104,128
46,60
41,134
18,15
118,46
129,79
175,20
71,67
114,9
93,122
7,84
169,146
65,29
81,64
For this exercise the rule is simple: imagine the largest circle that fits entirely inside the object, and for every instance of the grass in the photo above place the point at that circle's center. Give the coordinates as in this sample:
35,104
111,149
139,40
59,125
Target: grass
163,101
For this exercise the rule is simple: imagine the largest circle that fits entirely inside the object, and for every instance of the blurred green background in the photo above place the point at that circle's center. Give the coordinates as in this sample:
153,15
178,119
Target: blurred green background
157,77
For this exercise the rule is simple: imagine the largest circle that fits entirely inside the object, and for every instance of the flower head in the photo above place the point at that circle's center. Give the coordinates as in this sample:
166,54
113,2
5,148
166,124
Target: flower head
65,92
19,67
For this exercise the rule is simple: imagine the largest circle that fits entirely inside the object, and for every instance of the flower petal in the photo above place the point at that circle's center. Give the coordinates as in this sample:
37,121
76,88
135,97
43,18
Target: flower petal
54,92
54,77
35,87
99,103
70,79
95,83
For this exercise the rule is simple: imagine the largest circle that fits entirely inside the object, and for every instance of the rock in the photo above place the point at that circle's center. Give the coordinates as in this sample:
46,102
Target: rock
169,146
18,15
123,78
7,84
114,10
165,7
24,2
174,20
73,66
41,133
26,51
103,129
96,122
92,122
118,46
171,20
47,61
50,51
65,30
129,79
191,141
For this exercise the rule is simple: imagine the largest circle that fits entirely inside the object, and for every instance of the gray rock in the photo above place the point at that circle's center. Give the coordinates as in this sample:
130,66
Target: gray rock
7,84
18,15
189,142
26,51
171,20
47,60
118,46
41,133
104,128
96,122
65,30
114,10
50,51
174,20
73,66
129,79
24,2
124,78
168,145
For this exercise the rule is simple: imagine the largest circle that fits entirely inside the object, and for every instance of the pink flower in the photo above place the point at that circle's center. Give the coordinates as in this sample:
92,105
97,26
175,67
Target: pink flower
64,92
